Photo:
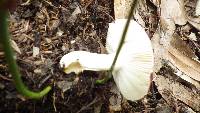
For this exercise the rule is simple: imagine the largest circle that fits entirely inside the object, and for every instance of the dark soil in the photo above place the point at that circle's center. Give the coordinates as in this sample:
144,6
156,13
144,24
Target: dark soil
50,26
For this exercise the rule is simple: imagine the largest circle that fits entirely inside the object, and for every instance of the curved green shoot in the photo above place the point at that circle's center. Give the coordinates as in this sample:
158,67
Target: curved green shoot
12,65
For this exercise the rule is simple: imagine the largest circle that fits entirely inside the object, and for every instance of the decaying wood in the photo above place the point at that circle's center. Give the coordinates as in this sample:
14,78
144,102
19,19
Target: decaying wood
180,81
172,91
197,10
170,83
181,56
173,10
184,68
121,8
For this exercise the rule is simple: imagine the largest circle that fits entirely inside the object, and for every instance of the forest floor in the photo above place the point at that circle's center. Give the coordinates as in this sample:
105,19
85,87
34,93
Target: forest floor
55,28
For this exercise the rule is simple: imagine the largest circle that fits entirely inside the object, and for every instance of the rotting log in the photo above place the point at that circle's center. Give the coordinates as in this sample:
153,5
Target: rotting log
176,72
173,88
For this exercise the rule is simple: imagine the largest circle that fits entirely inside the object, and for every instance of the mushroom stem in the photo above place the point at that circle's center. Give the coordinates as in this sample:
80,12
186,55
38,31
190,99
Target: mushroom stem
96,62
79,61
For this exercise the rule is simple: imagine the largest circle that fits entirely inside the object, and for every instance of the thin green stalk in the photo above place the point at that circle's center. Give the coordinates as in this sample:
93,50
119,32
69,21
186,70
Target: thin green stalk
120,44
12,65
123,35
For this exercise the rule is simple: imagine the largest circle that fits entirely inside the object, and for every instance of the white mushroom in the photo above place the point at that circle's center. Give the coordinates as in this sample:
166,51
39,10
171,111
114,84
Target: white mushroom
134,64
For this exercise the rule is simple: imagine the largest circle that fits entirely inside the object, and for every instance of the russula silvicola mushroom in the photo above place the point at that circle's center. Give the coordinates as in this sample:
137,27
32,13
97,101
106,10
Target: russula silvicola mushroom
134,64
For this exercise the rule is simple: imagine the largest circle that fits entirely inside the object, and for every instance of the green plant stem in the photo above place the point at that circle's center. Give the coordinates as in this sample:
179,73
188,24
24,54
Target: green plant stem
120,44
12,65
102,81
123,35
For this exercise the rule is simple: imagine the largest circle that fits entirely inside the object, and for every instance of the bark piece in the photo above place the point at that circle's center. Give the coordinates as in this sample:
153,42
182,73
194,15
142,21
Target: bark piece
173,90
121,8
173,83
181,55
197,10
173,10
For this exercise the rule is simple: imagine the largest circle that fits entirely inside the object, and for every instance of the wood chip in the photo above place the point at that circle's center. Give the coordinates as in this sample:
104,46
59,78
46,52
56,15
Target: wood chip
73,16
197,10
38,71
36,51
66,85
59,32
15,47
115,100
48,40
192,37
195,22
121,8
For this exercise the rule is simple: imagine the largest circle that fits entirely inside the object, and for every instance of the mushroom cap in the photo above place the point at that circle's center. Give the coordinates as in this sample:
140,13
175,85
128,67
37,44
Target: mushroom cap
134,64
135,60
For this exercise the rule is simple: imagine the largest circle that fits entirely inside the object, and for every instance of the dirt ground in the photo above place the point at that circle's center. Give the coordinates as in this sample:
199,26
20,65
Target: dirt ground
57,27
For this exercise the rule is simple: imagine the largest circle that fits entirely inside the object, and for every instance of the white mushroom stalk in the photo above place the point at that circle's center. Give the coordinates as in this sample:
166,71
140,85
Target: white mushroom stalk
134,64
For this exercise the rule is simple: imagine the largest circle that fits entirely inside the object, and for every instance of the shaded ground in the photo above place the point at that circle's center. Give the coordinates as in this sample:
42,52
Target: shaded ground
56,28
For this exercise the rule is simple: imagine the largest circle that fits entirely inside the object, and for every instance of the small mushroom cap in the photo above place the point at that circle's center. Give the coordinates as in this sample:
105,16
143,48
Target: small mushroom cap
70,62
135,59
